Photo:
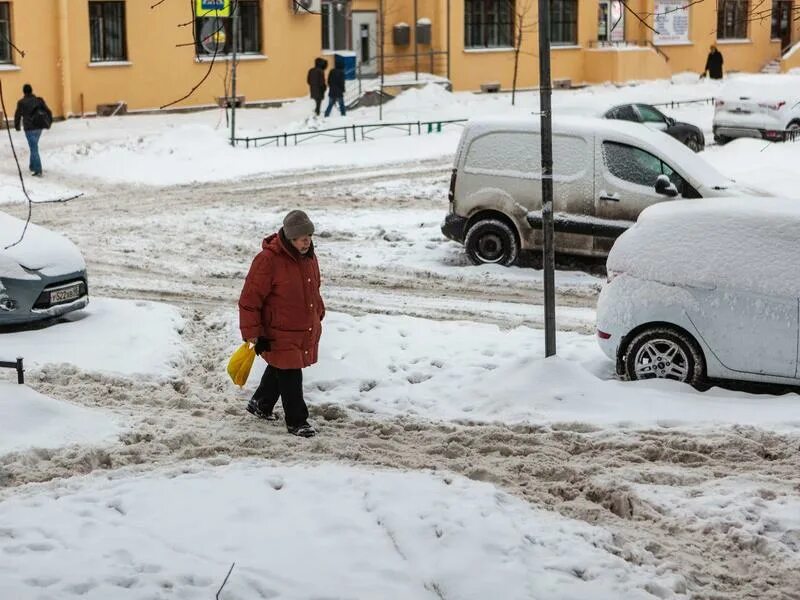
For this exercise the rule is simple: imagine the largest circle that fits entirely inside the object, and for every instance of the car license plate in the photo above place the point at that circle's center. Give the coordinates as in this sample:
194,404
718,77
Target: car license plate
65,294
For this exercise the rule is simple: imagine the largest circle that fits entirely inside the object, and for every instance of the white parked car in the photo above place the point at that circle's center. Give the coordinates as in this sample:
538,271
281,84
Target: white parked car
42,277
706,289
605,173
766,108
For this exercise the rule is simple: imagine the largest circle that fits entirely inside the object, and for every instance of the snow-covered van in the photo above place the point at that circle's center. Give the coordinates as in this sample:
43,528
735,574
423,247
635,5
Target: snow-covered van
766,107
605,173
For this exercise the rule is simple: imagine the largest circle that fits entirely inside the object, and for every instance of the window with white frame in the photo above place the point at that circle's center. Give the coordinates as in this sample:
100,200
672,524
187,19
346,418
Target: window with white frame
488,23
334,25
107,31
732,18
215,34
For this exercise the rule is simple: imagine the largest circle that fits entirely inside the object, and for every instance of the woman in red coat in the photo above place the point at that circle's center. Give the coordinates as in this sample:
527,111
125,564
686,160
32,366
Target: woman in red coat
281,312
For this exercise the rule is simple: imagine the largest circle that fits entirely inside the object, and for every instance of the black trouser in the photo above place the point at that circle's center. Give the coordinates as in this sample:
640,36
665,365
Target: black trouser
318,102
286,384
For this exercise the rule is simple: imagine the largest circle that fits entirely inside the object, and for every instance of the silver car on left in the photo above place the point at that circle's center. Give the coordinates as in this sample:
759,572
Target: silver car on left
41,277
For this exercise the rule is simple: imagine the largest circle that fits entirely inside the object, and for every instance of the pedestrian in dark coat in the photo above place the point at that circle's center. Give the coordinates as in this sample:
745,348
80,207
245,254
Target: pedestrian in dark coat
335,90
713,64
281,312
34,116
316,82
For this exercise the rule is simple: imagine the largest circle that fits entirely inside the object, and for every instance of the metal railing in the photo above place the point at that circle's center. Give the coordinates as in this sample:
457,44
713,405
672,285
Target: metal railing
349,133
16,365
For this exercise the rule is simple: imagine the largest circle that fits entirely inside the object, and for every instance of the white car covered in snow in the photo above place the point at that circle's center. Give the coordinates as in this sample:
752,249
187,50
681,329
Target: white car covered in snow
767,108
41,277
706,289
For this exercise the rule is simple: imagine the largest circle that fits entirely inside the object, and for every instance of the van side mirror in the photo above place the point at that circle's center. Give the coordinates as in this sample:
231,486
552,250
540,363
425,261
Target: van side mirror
665,187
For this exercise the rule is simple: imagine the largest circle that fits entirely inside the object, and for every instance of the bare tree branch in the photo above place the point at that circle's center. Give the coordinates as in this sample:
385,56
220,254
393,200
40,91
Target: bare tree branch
226,580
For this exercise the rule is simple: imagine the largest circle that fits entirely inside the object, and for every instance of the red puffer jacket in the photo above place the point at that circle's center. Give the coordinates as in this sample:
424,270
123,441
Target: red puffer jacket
281,301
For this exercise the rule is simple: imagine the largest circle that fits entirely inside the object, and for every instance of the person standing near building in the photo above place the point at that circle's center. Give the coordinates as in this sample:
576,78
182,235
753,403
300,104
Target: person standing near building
713,64
316,83
335,90
280,313
34,116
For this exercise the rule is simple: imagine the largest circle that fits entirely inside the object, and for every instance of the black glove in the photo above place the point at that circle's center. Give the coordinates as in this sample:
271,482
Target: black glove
262,345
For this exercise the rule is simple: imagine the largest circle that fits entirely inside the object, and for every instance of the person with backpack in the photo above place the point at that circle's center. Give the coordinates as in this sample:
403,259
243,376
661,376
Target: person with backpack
34,115
335,90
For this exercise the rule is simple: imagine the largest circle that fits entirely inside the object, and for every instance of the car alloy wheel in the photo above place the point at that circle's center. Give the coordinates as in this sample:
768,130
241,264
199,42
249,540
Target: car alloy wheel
664,353
491,242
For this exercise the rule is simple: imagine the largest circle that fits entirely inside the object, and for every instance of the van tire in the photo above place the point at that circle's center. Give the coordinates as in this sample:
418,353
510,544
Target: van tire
492,241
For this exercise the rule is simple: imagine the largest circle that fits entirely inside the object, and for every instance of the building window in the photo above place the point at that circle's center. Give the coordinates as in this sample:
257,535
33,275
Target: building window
732,18
488,23
782,21
564,22
5,33
334,25
215,34
107,31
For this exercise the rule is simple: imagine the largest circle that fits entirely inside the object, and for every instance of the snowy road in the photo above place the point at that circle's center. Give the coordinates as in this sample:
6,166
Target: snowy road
381,252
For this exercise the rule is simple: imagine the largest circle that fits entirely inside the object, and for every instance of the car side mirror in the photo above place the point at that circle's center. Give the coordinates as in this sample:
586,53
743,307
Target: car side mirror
670,122
665,187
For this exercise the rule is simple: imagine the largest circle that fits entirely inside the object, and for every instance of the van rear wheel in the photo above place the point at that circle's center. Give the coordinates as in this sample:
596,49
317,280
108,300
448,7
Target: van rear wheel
491,242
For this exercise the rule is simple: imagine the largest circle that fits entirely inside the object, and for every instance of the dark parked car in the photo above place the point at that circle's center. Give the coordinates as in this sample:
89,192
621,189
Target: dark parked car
686,133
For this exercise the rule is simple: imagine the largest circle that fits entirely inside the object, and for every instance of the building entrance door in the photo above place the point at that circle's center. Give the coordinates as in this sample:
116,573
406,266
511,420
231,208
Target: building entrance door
365,41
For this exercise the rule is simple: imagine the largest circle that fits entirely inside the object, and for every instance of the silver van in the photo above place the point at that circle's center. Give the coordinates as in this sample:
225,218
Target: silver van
605,173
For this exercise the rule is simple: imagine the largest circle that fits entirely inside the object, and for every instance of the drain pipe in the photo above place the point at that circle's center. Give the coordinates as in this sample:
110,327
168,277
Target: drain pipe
63,58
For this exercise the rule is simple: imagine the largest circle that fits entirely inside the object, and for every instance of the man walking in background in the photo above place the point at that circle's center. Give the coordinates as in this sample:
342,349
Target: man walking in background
713,64
34,115
316,82
335,90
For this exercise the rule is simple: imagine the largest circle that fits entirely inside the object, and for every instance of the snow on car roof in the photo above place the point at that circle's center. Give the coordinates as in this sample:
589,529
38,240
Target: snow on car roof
679,157
783,87
41,249
746,243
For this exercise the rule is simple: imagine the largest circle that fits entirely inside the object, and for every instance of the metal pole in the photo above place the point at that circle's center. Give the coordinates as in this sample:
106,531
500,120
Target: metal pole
235,29
548,263
383,43
416,52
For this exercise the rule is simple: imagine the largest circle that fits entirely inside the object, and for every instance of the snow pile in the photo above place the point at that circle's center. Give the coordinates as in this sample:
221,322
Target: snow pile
115,336
41,250
438,370
303,532
432,96
747,244
31,420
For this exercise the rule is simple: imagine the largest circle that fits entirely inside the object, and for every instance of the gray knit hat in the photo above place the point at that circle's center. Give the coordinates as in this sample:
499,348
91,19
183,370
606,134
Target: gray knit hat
297,224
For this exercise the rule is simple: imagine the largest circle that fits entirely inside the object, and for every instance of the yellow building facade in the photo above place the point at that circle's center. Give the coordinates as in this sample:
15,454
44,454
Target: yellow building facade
80,54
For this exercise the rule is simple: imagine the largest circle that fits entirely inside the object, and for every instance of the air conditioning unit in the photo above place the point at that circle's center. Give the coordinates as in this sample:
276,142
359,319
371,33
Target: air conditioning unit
306,7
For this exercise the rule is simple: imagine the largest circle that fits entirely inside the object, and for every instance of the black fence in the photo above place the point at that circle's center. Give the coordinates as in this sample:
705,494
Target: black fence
17,365
349,133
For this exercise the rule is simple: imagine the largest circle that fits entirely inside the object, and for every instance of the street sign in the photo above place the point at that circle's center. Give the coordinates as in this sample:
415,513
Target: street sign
213,8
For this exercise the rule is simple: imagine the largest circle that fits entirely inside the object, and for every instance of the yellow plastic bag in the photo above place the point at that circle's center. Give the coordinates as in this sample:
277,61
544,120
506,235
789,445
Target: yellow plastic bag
240,363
